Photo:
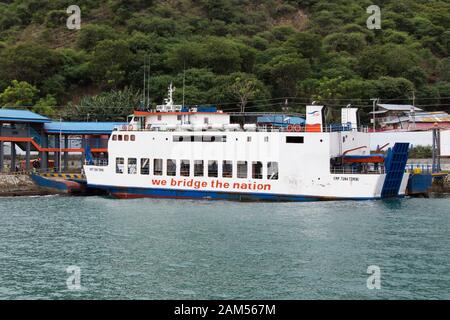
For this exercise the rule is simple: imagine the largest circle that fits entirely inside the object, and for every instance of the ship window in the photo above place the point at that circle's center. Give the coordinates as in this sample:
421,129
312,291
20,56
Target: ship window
227,169
133,137
257,170
157,167
159,118
213,169
114,137
120,137
294,139
119,165
272,170
249,139
179,117
185,168
199,138
126,137
266,139
208,139
242,169
206,120
145,166
171,167
132,166
198,168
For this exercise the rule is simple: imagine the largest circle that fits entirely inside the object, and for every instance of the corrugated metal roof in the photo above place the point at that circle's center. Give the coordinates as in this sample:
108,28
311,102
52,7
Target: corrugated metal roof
426,117
21,116
82,127
398,107
438,116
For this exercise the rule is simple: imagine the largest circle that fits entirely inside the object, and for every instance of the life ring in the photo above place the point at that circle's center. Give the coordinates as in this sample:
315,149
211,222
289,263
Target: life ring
290,128
298,128
130,127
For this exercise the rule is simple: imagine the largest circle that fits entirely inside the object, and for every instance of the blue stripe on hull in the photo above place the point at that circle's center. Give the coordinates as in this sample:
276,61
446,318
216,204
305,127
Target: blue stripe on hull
125,192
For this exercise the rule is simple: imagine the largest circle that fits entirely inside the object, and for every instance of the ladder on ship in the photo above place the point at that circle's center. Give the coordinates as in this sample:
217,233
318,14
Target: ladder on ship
395,165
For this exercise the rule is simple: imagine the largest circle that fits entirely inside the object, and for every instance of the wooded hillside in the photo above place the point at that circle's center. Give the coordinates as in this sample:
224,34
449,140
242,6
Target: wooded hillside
292,51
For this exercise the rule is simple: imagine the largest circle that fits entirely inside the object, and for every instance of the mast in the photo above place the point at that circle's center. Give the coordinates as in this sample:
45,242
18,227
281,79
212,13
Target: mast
148,84
184,80
143,91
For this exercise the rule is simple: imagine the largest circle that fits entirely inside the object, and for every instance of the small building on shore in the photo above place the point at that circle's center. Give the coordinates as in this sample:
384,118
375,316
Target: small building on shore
409,118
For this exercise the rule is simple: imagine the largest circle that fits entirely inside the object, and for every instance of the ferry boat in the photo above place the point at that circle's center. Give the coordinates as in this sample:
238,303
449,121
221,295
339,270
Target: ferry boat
199,153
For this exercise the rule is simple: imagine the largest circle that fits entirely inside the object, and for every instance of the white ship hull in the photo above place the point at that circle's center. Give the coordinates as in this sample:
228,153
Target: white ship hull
303,168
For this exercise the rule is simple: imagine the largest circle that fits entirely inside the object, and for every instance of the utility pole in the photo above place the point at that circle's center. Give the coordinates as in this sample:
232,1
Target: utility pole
184,80
60,136
148,81
375,100
413,109
144,93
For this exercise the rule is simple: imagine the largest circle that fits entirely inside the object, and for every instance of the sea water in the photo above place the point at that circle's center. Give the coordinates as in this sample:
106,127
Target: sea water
99,248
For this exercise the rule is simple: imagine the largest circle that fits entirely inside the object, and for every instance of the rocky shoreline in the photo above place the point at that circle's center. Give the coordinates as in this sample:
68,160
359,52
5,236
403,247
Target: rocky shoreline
20,185
441,187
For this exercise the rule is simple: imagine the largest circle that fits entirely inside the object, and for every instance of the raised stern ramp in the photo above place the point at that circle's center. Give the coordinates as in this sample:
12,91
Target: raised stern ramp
395,164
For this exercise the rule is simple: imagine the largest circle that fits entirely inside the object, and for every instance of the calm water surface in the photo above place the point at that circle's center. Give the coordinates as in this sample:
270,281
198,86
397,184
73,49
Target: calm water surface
174,249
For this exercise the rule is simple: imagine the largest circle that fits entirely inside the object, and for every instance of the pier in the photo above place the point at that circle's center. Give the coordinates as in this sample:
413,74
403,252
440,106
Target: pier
47,145
40,156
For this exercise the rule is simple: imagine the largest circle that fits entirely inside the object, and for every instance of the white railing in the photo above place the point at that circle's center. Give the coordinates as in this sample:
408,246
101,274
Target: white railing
260,128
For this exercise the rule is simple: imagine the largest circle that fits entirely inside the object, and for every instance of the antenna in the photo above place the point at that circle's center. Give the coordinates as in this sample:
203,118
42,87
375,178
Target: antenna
375,101
413,109
148,79
143,91
184,79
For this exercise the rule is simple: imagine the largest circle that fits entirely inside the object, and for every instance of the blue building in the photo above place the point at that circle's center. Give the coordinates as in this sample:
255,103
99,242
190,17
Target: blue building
51,141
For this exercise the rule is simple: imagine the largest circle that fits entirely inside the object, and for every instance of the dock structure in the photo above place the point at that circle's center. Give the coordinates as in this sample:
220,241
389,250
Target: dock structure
47,144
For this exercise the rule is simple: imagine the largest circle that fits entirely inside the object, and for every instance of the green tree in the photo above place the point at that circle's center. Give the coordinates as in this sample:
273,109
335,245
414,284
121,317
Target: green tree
19,93
244,89
90,35
284,72
308,44
29,62
109,62
223,55
114,105
399,89
45,106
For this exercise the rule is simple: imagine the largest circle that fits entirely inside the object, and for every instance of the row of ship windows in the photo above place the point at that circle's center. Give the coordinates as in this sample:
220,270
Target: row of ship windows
289,139
126,137
198,168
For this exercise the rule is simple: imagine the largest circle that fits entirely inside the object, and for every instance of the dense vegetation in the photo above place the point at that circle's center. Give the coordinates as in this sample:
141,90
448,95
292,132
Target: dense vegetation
421,152
255,53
